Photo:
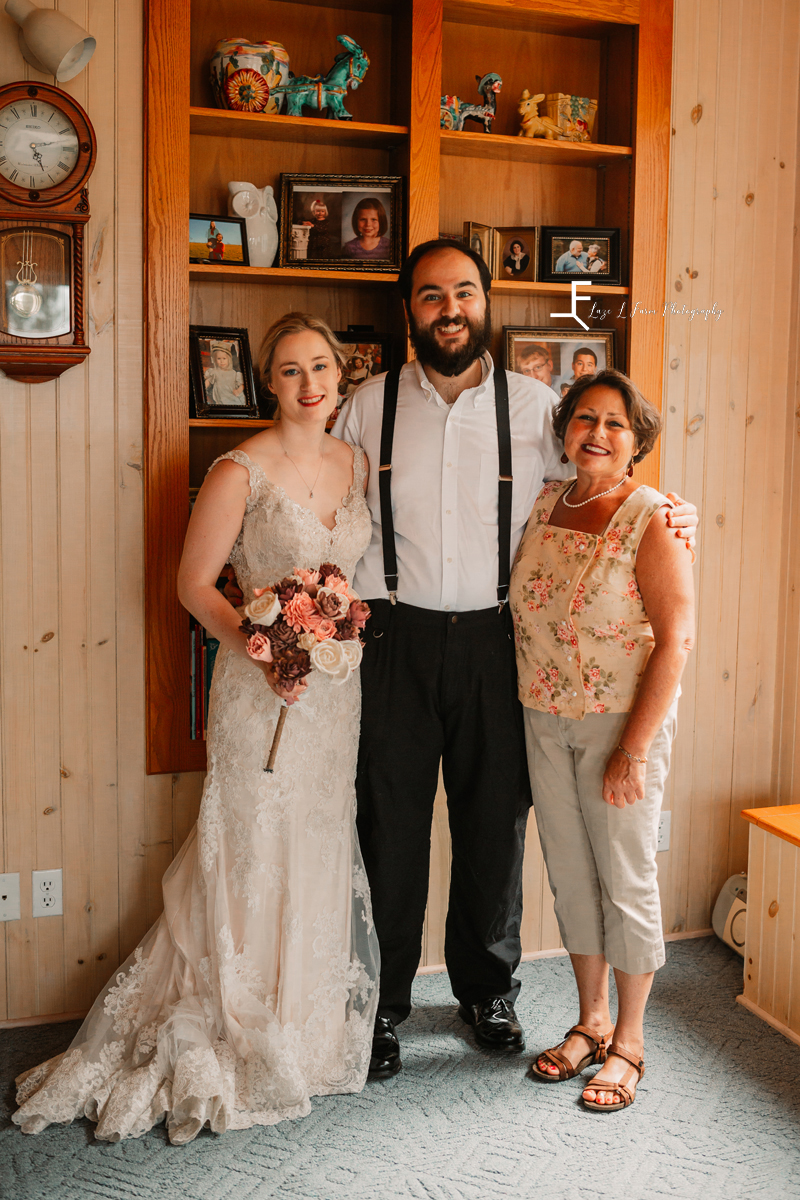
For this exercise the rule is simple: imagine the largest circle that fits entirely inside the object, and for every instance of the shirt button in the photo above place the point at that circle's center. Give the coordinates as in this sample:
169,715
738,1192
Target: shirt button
446,607
449,464
449,513
569,658
569,581
449,560
454,618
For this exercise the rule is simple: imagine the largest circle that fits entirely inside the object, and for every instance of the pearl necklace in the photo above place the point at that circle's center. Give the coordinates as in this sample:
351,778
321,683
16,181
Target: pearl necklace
581,503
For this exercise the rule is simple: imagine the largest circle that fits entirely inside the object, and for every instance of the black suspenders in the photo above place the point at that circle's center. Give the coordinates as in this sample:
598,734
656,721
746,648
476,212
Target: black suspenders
504,484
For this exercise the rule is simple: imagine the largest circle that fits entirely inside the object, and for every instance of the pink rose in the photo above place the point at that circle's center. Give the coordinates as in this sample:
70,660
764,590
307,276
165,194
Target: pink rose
258,647
307,578
324,630
540,675
599,708
301,613
553,709
554,672
358,613
594,673
630,647
338,583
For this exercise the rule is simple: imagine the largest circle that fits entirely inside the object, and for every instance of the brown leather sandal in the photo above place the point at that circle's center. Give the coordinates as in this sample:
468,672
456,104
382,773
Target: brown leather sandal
565,1068
621,1089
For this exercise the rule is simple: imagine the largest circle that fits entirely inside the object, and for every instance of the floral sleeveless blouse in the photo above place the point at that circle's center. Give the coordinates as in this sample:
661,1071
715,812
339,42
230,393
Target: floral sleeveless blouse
582,634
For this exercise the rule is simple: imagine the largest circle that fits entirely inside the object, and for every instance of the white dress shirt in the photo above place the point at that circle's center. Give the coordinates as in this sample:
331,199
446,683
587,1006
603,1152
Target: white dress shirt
444,483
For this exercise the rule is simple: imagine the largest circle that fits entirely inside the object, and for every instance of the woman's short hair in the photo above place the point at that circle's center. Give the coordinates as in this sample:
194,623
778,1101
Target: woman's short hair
362,206
644,418
291,323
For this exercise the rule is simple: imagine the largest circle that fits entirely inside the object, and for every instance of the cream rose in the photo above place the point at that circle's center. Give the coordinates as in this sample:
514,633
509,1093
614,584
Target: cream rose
264,610
335,607
353,652
307,641
330,658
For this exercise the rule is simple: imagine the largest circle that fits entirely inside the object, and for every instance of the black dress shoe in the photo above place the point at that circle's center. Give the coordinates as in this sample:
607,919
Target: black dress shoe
385,1060
495,1024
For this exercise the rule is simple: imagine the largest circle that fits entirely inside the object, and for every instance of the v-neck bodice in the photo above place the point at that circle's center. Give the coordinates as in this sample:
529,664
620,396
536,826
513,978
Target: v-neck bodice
278,534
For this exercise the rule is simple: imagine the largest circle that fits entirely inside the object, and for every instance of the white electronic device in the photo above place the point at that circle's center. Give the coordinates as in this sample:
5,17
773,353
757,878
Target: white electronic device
729,916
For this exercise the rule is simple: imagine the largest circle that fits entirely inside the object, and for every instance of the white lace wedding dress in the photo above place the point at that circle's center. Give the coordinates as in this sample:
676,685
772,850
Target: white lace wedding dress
256,989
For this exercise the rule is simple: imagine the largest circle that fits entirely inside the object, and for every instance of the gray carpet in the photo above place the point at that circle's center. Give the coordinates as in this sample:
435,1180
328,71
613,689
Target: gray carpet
716,1117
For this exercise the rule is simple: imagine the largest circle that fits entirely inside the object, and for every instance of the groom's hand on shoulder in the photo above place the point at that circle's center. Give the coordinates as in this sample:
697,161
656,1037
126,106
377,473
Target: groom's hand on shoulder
683,519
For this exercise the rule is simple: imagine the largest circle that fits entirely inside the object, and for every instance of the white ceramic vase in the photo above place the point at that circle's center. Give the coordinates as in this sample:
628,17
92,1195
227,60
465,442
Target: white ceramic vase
258,207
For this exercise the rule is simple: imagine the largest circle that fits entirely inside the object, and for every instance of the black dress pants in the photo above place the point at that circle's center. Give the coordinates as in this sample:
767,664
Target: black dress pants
443,686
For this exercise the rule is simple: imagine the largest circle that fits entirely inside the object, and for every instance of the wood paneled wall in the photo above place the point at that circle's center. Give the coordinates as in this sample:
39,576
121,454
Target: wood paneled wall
74,791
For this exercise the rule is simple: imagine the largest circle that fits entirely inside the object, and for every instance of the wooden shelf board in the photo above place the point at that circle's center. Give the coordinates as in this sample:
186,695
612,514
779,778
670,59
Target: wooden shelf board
227,423
469,144
575,18
286,275
511,287
221,122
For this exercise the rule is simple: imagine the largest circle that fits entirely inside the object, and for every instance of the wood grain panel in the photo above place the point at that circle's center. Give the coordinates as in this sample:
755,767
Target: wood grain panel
563,16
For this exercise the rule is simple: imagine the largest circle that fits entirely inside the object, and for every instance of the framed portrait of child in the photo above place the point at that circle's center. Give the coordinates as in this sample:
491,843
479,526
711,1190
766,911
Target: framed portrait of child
221,373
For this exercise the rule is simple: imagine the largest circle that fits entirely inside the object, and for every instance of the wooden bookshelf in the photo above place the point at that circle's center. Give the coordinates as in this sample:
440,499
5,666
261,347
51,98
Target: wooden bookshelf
617,50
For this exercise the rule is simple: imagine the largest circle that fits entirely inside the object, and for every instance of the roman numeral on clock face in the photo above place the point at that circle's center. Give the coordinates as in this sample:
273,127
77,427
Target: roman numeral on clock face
16,114
13,175
63,167
33,110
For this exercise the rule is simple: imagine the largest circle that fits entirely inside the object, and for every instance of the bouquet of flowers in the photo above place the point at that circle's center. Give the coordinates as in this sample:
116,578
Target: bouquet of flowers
311,620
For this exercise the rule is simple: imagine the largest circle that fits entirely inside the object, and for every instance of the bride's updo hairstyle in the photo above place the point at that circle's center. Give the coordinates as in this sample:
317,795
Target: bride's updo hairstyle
291,323
644,418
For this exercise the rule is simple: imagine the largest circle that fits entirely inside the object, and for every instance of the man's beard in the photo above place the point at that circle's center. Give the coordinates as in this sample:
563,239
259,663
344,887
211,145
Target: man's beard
443,359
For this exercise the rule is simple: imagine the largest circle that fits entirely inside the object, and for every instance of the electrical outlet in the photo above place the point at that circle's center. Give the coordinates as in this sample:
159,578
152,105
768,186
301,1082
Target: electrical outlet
9,897
47,898
663,832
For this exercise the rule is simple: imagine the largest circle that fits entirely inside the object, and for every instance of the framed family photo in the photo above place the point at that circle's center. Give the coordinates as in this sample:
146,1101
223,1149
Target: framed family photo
221,373
217,240
557,357
366,354
569,251
515,253
341,222
480,238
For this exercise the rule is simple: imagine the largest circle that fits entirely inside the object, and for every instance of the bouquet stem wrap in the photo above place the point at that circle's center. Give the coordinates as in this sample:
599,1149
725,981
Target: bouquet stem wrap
276,739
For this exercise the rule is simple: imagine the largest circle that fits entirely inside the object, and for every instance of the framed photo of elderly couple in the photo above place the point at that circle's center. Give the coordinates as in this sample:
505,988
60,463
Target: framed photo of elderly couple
557,357
567,251
341,222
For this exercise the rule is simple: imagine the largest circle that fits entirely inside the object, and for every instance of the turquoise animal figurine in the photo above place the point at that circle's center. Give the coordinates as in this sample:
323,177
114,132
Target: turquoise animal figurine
455,111
327,91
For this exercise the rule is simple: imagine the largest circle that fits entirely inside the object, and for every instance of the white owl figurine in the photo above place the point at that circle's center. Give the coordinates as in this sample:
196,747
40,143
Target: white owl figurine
258,207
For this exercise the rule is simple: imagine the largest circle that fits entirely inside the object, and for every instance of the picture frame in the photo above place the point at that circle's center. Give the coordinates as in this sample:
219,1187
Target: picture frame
480,238
367,353
552,355
597,261
511,265
341,222
218,388
218,241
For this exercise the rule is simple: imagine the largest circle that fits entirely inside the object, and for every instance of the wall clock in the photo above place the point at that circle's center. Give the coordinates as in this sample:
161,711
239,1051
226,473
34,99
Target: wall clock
47,153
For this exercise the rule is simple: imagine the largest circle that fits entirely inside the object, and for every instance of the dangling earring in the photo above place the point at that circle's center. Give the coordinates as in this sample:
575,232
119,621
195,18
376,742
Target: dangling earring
564,459
629,472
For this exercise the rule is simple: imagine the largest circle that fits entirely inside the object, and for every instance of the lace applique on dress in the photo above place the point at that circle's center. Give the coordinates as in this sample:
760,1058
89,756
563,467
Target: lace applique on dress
198,1028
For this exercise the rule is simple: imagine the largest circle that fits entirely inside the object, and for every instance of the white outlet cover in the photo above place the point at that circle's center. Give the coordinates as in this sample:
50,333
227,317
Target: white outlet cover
664,822
47,896
9,897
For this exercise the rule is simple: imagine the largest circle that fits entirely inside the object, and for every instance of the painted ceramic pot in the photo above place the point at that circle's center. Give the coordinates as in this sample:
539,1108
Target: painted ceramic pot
243,75
574,116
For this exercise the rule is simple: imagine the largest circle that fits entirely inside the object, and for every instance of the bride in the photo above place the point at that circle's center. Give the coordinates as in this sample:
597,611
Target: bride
256,989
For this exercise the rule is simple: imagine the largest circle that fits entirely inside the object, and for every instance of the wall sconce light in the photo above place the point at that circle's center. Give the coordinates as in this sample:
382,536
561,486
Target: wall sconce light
50,41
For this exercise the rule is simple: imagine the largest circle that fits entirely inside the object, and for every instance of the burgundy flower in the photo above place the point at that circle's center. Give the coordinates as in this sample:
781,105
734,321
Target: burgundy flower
328,569
359,613
346,631
292,667
282,636
286,589
330,605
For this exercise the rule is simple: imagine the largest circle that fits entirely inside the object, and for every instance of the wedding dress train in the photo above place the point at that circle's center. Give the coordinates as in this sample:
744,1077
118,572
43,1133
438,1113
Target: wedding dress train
257,987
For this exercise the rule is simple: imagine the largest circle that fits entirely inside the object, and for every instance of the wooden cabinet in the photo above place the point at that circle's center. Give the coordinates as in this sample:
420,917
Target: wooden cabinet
616,50
771,966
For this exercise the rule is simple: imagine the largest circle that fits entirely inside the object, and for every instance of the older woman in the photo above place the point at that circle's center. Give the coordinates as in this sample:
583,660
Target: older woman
602,600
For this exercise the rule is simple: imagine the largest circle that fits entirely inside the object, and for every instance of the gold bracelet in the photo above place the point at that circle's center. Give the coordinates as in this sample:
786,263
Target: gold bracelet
632,757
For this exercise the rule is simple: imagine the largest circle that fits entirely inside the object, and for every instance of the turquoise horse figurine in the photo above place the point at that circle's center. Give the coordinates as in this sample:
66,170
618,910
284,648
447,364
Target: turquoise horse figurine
327,91
455,111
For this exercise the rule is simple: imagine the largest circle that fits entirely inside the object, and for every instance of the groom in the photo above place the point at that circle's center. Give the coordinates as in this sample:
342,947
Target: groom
439,675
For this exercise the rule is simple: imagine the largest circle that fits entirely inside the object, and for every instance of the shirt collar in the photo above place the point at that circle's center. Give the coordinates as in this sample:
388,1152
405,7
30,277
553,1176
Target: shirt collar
480,394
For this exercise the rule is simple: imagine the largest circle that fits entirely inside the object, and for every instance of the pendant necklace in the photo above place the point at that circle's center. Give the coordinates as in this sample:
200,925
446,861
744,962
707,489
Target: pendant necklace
581,503
299,472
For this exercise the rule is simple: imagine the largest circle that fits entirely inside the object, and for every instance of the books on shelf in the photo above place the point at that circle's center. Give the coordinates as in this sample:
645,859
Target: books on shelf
204,649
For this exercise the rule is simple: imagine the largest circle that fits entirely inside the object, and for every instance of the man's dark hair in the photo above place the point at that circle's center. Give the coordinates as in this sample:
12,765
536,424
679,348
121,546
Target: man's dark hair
584,350
644,418
404,279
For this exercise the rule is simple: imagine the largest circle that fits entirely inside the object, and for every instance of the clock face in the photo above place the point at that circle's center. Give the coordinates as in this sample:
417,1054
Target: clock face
38,144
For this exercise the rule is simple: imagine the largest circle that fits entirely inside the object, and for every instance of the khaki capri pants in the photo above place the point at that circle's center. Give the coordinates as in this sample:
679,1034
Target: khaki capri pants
601,860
